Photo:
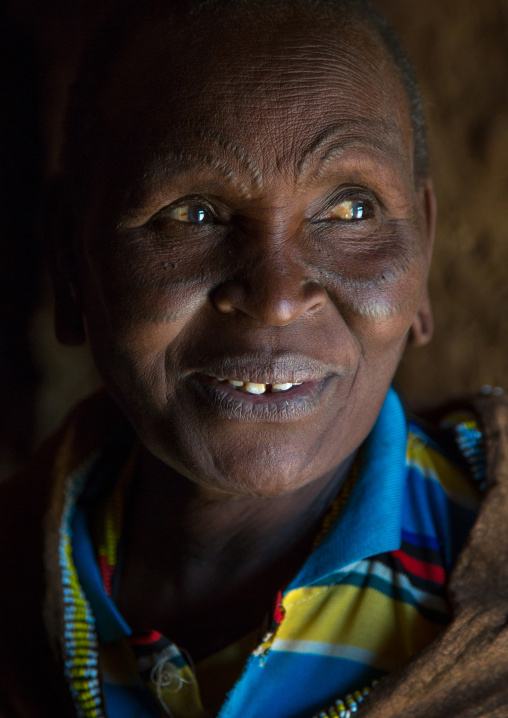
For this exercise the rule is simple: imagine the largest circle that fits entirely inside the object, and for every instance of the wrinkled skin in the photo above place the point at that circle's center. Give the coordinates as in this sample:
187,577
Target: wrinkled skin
267,131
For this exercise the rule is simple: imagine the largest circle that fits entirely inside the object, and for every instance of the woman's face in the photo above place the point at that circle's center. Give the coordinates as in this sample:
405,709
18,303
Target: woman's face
254,251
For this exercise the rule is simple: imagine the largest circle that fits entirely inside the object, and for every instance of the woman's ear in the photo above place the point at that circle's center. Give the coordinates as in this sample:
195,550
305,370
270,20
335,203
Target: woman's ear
422,327
59,230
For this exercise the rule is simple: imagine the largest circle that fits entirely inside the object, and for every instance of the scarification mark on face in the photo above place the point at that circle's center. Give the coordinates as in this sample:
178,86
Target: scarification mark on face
354,131
247,162
169,160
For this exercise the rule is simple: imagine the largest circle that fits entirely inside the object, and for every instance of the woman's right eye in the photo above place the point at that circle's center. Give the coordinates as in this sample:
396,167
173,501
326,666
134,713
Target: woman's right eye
192,213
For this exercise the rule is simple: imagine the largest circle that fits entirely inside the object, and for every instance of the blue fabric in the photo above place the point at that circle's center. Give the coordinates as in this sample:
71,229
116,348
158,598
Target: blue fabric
280,685
371,522
427,507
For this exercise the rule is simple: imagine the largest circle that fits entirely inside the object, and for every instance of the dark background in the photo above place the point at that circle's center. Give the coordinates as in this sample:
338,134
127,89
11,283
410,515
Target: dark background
460,48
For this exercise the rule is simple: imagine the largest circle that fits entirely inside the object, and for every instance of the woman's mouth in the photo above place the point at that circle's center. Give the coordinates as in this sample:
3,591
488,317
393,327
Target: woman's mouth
244,400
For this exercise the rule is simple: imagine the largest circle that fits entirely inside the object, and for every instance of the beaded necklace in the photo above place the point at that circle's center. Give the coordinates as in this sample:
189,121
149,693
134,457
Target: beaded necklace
347,707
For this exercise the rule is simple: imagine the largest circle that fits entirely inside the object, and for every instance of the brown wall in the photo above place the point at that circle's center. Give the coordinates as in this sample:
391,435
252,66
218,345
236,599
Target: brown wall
460,48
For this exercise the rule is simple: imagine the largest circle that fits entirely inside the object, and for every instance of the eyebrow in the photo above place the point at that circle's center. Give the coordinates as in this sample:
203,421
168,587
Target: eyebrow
379,133
188,159
184,160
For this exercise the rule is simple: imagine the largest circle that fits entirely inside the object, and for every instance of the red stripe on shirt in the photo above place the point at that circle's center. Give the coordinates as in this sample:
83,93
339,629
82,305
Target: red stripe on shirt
428,571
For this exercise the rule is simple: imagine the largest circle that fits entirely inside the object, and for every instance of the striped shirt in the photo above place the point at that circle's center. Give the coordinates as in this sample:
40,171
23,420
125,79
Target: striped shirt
370,595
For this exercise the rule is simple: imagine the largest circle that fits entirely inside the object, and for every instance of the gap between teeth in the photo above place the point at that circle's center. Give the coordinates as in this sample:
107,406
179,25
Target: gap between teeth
253,388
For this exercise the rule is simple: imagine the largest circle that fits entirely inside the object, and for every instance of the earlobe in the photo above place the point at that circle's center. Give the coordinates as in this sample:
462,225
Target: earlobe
422,328
58,229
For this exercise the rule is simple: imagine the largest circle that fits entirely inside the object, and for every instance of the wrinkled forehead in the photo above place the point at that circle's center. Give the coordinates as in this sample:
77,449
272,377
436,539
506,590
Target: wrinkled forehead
268,90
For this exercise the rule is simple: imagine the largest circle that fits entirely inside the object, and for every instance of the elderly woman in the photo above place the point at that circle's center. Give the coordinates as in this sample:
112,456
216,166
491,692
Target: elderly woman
251,526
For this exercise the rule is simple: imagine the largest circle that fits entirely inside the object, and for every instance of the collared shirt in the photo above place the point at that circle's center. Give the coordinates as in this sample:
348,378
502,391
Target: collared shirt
368,597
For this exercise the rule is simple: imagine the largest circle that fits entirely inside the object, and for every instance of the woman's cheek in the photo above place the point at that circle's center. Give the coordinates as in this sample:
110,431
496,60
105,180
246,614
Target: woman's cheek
378,278
386,302
146,285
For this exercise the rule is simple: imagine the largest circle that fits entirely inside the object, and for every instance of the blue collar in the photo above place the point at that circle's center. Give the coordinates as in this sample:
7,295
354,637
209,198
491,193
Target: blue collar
371,522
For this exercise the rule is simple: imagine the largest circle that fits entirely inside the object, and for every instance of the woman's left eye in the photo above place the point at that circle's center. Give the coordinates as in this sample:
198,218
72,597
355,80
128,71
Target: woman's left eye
193,213
350,211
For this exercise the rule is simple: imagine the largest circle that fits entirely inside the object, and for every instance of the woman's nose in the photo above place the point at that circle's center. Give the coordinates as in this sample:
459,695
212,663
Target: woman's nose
274,291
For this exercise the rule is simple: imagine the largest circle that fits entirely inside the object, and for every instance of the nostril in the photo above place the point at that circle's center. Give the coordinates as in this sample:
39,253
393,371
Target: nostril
227,297
316,297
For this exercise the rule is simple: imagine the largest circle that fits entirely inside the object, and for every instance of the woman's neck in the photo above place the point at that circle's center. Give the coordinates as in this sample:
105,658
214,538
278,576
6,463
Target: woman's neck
192,554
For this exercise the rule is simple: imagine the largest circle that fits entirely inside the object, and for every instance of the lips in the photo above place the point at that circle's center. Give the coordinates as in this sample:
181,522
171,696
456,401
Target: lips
263,386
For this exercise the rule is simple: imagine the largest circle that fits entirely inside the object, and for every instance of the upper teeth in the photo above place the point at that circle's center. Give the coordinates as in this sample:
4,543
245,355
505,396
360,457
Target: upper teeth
254,388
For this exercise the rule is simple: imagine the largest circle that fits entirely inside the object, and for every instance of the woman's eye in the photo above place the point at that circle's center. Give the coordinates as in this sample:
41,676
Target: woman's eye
193,213
350,211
